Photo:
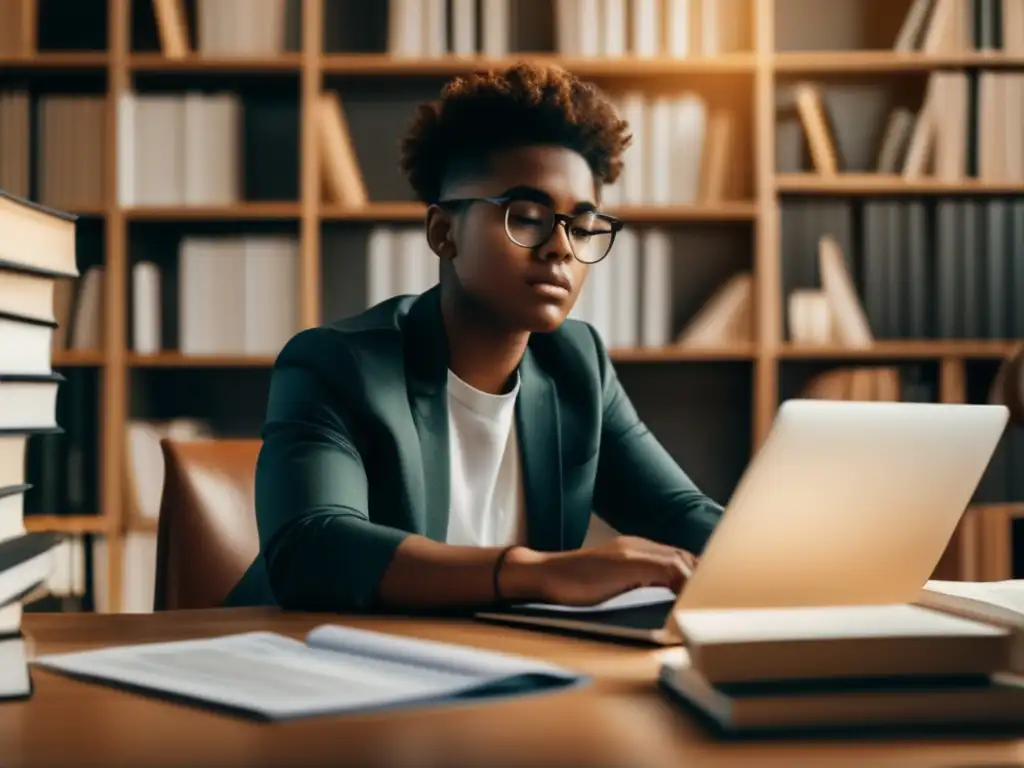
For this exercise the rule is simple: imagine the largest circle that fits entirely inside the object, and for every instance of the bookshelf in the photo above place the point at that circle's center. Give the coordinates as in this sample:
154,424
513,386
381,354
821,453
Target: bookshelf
712,404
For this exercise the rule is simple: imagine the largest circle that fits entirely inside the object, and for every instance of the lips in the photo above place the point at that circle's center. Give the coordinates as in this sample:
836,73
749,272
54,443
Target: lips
554,280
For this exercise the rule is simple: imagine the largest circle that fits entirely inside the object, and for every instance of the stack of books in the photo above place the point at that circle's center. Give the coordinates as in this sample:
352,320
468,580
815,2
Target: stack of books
953,658
37,251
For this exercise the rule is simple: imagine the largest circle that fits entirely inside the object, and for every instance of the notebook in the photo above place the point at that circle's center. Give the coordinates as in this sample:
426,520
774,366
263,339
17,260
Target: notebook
335,669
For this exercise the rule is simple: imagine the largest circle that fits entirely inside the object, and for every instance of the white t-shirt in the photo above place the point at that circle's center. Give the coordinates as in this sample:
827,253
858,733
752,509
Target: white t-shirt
486,488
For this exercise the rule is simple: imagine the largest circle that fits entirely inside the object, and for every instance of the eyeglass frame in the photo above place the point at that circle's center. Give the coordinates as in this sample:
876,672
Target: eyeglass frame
559,218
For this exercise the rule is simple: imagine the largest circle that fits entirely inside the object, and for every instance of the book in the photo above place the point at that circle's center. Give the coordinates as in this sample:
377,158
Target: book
15,670
846,703
334,669
36,238
857,641
29,402
26,560
953,658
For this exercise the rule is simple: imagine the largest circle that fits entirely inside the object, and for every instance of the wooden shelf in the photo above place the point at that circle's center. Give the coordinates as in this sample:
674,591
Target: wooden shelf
660,214
57,60
155,62
681,354
399,211
610,69
78,358
139,524
886,184
236,212
885,61
178,360
902,350
69,524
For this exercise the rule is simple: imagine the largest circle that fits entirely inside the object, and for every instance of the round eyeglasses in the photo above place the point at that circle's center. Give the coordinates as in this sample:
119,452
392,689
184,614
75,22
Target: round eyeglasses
530,224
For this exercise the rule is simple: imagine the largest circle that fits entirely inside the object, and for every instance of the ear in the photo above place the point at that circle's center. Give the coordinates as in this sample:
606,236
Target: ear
440,232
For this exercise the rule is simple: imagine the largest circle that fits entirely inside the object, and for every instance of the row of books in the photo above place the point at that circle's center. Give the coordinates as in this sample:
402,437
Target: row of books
234,295
179,149
494,28
190,148
583,28
683,151
70,172
963,287
226,27
40,242
948,268
966,125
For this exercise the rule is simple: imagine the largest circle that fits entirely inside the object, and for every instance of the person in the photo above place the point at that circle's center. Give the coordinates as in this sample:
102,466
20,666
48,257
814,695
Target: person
446,451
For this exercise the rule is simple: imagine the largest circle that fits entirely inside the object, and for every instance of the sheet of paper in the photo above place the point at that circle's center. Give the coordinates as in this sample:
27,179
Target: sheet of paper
1008,594
447,657
634,598
265,673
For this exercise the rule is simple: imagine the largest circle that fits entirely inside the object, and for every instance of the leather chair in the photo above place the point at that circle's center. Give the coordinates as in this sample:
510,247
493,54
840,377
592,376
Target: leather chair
1008,387
206,534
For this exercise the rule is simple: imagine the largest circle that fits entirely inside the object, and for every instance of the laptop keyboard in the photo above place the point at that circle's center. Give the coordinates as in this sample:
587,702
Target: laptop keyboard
641,617
649,617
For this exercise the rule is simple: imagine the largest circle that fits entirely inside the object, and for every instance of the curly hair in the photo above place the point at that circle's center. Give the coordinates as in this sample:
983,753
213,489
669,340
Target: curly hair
523,105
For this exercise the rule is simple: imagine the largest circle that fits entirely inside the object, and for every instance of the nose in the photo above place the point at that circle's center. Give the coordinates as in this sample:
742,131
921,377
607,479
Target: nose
557,247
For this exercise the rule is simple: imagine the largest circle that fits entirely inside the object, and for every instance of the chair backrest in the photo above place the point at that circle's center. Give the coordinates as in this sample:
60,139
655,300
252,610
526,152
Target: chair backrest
1008,387
207,533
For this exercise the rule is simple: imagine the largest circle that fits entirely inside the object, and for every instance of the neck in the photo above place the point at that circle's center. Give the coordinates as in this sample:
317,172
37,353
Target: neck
480,353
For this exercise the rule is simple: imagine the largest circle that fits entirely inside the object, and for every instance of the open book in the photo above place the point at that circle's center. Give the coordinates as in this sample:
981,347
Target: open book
997,602
335,669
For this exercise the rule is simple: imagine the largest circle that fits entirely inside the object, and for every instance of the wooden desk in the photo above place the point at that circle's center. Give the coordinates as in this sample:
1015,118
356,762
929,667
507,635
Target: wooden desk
620,719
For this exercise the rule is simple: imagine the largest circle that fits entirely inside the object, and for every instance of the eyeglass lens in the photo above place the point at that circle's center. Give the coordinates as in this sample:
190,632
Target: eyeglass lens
530,224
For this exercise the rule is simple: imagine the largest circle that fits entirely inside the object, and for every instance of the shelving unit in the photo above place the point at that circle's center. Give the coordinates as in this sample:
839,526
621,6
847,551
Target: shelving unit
740,386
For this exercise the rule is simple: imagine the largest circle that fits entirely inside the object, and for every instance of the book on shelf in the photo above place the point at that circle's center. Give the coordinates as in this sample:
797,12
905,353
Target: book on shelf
333,670
341,175
172,27
955,657
727,317
831,314
236,295
226,28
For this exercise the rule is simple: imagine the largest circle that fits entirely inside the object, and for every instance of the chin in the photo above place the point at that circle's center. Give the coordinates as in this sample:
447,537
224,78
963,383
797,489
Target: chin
548,320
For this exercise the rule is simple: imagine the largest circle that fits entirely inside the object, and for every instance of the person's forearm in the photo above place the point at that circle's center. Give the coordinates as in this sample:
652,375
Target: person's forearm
342,563
427,574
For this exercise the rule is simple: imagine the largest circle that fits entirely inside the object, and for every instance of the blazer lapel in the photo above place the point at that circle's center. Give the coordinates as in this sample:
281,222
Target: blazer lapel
427,357
540,451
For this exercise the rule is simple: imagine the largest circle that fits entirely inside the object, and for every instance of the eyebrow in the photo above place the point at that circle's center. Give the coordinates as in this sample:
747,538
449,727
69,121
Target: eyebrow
540,196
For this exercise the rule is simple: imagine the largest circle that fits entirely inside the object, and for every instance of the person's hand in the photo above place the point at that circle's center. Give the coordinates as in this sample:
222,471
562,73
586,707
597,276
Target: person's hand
589,576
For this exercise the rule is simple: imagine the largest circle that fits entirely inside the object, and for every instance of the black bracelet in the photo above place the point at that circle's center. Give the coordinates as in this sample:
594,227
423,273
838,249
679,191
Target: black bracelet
497,571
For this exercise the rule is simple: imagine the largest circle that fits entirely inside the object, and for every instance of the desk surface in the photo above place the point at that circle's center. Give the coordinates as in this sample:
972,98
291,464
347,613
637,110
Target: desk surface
621,719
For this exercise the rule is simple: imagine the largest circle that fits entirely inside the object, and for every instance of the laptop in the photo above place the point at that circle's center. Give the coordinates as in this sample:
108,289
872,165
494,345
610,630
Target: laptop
846,503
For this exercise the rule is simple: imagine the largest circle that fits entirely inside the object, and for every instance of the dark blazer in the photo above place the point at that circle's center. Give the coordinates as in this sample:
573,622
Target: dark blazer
355,455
